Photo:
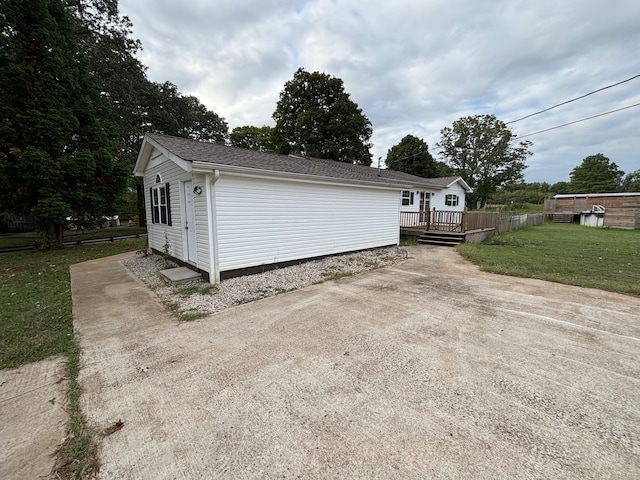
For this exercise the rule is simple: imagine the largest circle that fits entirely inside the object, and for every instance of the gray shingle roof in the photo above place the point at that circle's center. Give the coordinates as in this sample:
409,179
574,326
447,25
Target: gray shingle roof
193,150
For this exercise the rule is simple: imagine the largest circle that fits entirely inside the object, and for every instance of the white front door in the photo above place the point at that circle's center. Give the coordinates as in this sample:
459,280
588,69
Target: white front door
189,223
425,202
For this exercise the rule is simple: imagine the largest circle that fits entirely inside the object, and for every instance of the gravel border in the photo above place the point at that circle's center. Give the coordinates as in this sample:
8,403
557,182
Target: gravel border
199,299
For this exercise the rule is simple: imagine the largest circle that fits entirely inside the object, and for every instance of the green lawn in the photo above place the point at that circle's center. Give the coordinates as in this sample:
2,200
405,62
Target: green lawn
608,259
36,319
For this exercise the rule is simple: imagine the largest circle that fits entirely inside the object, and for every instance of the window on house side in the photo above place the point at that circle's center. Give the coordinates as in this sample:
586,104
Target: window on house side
407,197
451,200
159,205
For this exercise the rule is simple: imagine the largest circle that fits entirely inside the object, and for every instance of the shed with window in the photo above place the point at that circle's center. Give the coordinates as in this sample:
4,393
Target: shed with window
226,211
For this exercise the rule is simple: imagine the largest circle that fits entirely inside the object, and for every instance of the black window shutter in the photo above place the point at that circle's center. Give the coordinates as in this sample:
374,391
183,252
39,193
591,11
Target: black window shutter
168,206
153,212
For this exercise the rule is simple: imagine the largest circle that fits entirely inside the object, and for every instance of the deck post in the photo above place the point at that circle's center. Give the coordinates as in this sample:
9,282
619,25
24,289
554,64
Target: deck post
463,224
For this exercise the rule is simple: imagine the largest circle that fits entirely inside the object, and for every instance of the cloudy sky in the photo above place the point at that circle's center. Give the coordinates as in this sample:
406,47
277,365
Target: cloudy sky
415,66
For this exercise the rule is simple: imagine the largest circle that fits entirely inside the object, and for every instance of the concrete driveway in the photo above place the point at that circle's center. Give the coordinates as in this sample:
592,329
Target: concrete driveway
426,369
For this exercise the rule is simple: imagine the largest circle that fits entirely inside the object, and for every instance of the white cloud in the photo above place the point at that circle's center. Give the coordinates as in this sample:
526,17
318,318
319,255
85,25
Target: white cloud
414,67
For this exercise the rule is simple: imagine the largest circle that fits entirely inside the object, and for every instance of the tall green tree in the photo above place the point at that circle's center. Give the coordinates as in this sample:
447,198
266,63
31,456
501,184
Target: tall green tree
522,192
137,105
560,187
315,117
105,37
412,156
596,174
171,113
57,149
631,182
253,138
483,151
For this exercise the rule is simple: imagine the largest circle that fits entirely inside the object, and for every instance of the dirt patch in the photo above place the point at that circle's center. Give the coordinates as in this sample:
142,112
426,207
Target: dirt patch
425,369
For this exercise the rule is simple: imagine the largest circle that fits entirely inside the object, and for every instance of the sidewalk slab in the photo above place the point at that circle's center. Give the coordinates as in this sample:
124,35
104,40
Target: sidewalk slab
33,401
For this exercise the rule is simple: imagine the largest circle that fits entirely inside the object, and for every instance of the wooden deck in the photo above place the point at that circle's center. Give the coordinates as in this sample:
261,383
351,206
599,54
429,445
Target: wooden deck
440,227
442,221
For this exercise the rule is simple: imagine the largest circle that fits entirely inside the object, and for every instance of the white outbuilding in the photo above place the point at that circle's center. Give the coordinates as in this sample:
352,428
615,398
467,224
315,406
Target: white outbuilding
226,211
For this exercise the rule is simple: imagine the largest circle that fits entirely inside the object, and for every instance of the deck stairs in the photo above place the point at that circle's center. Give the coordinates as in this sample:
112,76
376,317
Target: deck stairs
445,239
562,218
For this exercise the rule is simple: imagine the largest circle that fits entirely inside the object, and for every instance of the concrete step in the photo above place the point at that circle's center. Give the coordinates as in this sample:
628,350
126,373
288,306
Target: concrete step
180,275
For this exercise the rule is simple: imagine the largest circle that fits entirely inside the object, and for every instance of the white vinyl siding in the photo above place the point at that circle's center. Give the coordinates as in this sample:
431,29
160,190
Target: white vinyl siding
438,200
265,221
171,174
415,206
202,229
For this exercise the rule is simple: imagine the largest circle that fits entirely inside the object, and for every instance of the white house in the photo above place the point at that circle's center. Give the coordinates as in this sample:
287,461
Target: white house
226,211
445,193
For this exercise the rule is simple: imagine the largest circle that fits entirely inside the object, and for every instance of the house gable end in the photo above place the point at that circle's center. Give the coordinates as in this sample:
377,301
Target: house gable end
462,183
152,154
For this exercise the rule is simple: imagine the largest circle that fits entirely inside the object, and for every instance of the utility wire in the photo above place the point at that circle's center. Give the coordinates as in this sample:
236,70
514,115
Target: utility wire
581,120
574,99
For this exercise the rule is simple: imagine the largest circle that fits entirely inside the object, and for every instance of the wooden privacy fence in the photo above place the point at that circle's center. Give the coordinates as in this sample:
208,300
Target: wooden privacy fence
481,220
451,221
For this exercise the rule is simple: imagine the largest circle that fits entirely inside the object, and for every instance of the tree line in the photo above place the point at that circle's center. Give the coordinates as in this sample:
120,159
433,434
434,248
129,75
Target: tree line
75,103
595,174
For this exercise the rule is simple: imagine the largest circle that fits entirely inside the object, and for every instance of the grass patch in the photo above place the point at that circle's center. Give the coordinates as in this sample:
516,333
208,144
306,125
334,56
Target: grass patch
570,254
186,291
184,315
335,275
194,289
191,315
408,240
77,457
36,322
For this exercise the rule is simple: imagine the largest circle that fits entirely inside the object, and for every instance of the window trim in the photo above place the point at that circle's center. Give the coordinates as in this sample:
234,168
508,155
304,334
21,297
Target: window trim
452,200
160,201
407,197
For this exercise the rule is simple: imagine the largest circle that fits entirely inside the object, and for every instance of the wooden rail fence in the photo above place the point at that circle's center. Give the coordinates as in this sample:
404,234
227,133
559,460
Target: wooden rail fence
461,222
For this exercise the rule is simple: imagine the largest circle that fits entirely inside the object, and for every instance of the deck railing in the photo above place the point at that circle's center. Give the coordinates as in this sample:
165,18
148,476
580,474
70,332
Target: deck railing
447,221
450,221
414,219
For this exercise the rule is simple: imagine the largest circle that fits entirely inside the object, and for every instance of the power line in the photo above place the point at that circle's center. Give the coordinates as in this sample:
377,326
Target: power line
581,120
574,99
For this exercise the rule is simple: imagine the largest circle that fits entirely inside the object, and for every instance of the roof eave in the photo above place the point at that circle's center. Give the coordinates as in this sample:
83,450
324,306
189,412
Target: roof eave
207,167
464,184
